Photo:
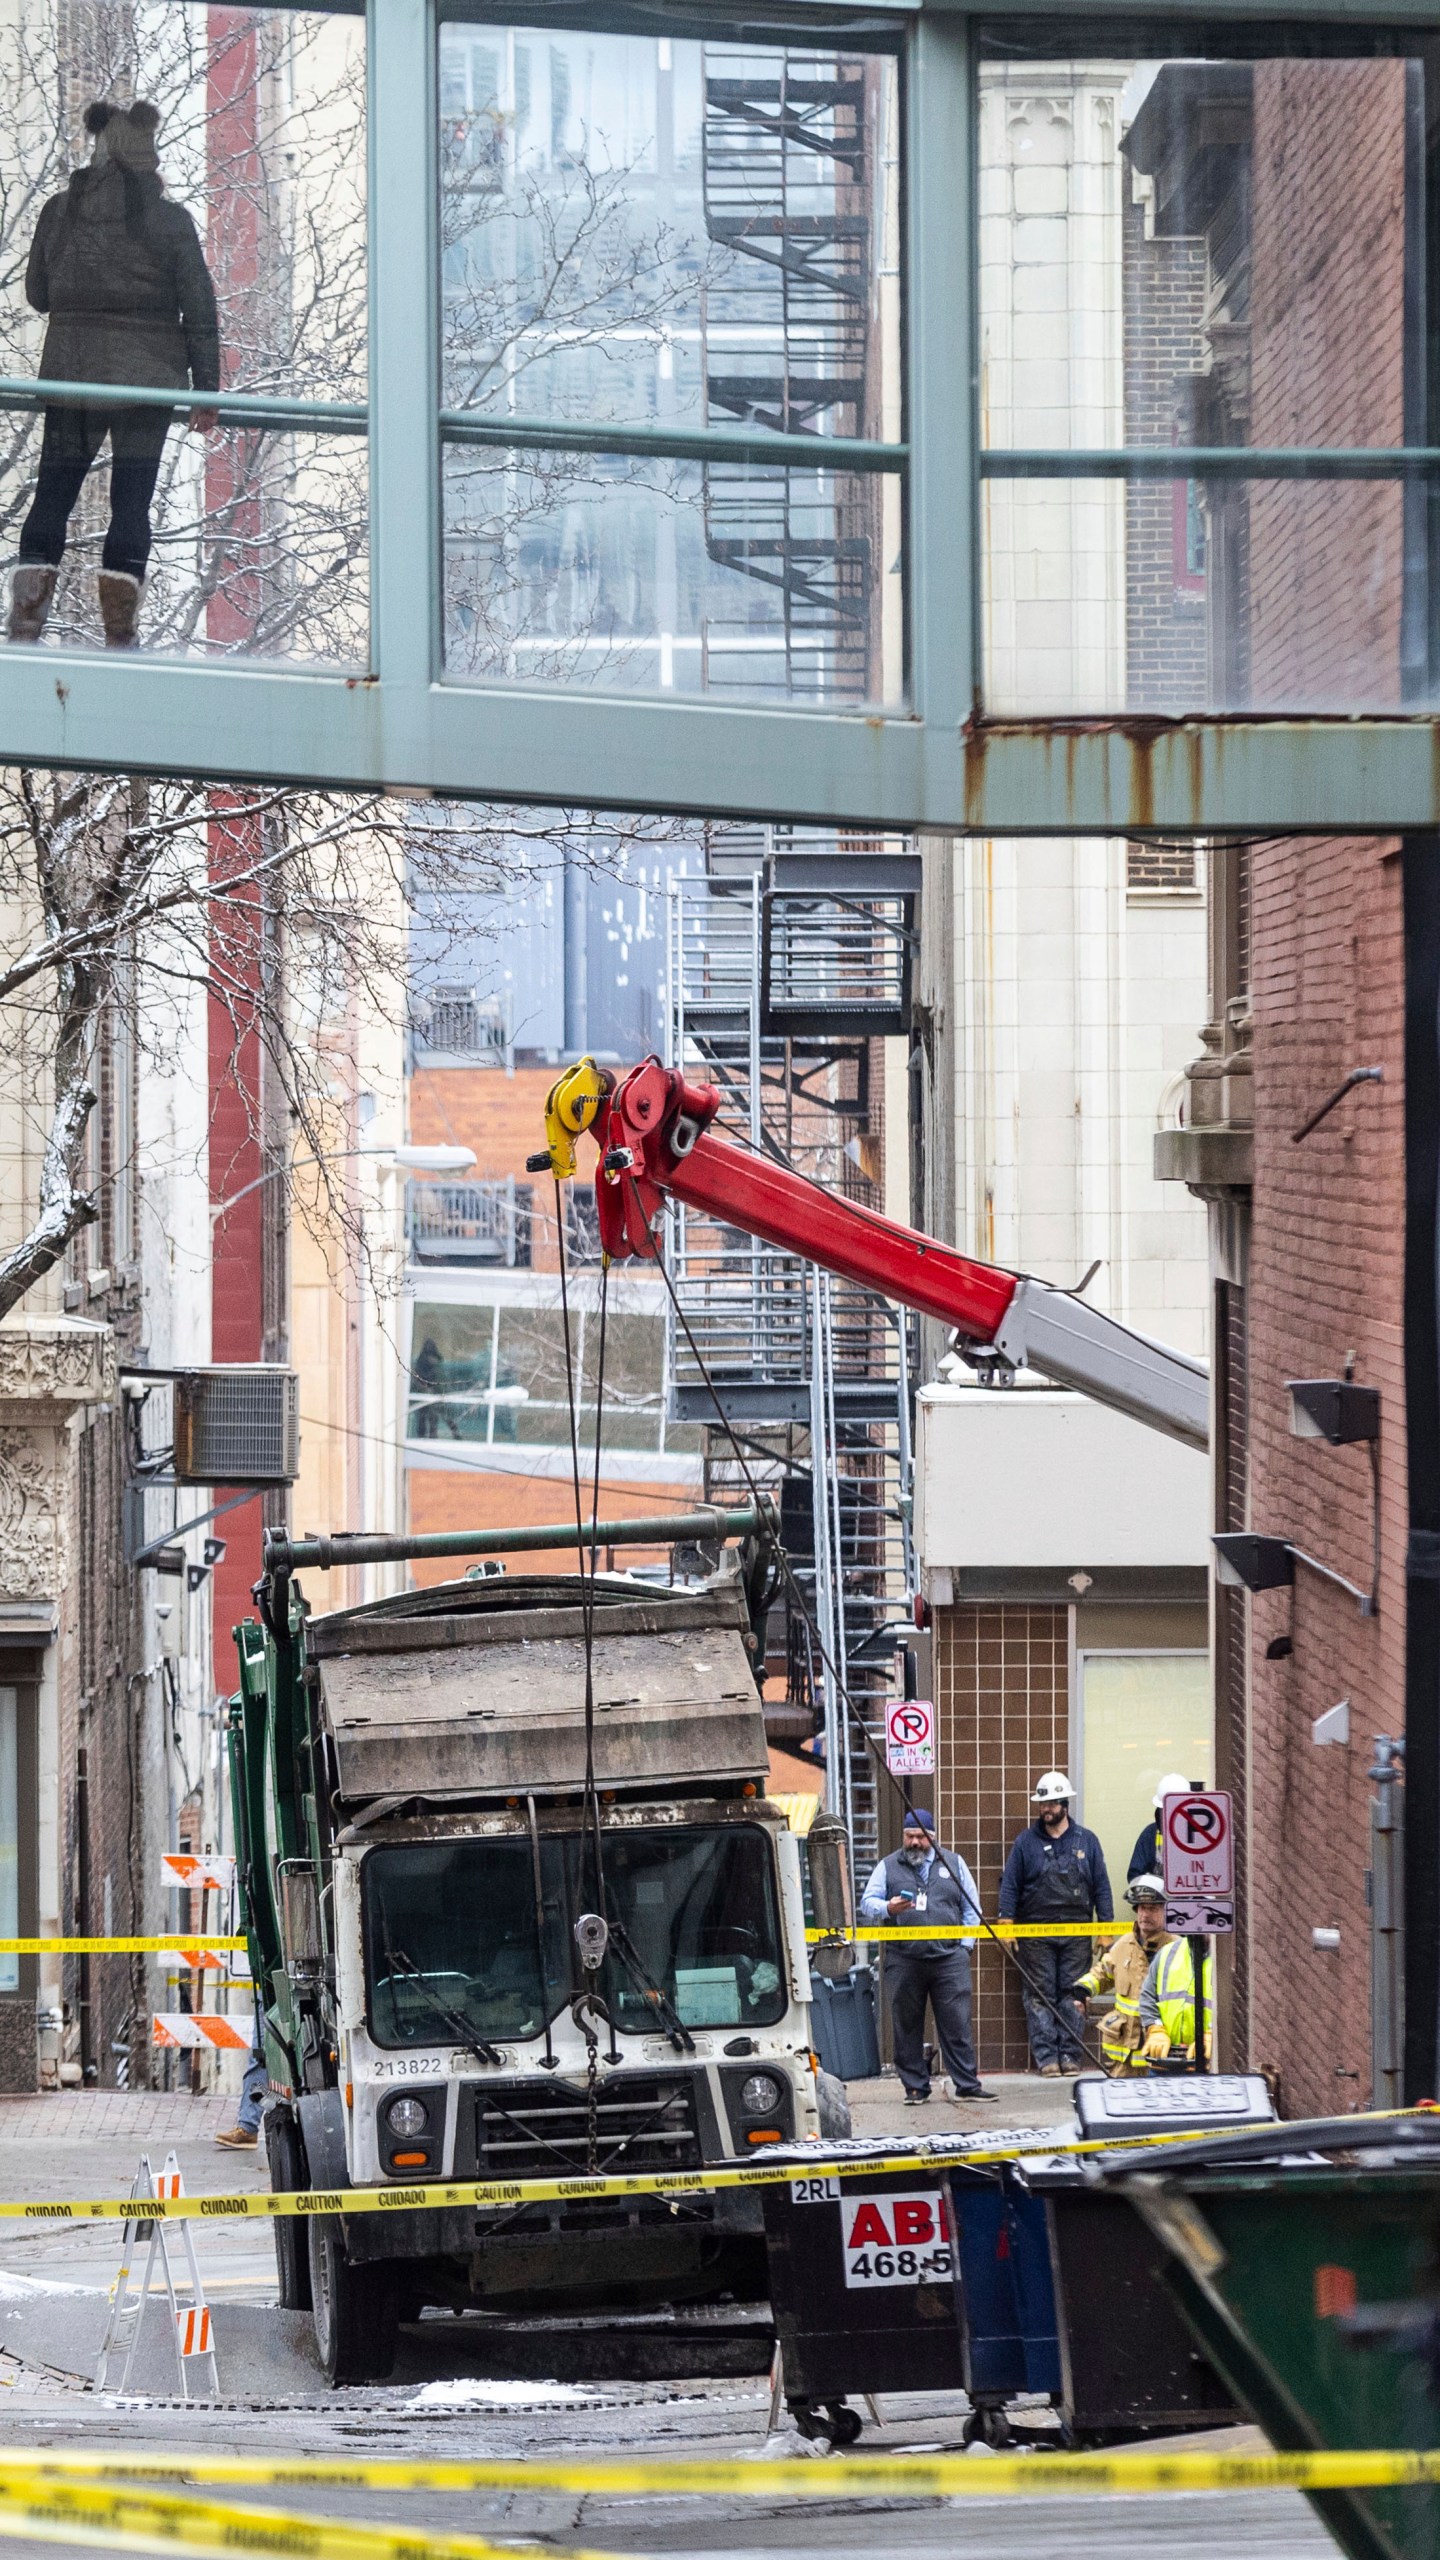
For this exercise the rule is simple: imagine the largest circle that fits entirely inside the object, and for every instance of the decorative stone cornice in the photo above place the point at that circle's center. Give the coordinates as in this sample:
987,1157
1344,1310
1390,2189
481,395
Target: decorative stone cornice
55,1360
33,1545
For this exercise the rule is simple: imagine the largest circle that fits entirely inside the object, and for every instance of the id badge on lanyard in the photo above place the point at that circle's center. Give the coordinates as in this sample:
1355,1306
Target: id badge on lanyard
920,1903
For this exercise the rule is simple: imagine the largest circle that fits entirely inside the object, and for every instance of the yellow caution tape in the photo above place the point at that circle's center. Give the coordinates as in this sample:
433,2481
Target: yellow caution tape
176,1944
1004,1929
62,2510
854,2476
671,2185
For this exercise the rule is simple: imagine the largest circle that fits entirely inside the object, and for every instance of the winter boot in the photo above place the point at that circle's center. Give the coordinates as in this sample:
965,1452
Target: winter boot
120,595
31,590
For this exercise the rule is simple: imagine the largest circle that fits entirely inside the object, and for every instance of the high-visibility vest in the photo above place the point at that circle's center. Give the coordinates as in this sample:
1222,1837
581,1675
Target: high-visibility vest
1175,1993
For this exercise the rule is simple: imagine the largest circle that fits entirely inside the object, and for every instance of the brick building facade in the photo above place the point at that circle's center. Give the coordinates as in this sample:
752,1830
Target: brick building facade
1308,606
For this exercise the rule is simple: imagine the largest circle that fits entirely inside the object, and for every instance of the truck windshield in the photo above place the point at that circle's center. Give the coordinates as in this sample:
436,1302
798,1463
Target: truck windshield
451,1940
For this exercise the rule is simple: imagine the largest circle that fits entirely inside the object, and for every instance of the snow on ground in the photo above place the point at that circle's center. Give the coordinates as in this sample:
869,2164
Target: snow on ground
497,2395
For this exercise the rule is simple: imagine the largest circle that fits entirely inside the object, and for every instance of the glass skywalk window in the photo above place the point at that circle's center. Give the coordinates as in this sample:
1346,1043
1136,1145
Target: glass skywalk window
695,246
853,415
183,213
1219,258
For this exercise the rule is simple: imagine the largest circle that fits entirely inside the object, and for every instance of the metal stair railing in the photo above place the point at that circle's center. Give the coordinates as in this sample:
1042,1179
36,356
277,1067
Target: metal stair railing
820,1375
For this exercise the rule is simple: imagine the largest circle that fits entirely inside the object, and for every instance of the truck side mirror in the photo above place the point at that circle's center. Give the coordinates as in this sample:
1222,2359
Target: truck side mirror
300,1920
828,1846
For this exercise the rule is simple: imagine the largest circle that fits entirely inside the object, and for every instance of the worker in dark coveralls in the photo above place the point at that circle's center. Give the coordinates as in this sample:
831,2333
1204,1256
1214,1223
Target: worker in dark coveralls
919,1882
1147,1858
1055,1872
122,277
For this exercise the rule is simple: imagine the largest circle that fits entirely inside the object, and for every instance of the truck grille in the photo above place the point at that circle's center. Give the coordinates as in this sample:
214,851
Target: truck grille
541,2128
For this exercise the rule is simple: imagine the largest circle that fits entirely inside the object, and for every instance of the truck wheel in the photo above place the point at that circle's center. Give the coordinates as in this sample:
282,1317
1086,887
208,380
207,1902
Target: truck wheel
354,2309
286,2155
833,2106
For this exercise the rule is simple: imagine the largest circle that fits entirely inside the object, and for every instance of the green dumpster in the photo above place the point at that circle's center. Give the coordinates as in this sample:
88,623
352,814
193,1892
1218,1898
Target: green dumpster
1312,2282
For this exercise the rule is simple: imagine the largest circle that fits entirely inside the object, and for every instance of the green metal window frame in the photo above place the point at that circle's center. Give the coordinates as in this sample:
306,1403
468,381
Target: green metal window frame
938,765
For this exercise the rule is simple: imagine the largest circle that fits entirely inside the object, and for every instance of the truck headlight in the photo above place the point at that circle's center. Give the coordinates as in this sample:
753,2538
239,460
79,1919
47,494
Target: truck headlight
407,2117
760,2095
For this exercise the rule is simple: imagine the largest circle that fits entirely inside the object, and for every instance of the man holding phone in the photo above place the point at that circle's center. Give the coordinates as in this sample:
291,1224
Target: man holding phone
920,1882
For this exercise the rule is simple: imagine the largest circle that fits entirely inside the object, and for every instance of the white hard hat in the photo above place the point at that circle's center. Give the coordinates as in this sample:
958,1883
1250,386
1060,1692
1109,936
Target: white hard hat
1054,1788
1144,1889
1173,1785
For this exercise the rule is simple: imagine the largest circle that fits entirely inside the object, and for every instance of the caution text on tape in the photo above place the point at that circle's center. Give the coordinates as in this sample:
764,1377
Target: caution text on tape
501,2194
157,1946
1003,1929
33,2507
855,2475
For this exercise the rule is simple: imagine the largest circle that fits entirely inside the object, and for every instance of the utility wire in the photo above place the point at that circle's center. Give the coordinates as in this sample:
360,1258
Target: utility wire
587,1595
882,1767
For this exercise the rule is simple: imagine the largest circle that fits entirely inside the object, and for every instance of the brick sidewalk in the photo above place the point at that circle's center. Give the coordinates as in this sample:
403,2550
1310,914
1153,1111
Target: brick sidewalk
102,2115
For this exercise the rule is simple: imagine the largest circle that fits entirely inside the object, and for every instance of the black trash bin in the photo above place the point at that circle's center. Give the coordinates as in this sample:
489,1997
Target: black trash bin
1129,2366
862,2288
1128,2363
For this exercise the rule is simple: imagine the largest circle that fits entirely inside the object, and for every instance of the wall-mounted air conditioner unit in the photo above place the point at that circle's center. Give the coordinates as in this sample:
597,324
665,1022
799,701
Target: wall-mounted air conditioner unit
237,1425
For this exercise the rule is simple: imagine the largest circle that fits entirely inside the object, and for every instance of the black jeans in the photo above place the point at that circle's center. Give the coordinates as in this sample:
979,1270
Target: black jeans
943,1982
1053,1966
71,441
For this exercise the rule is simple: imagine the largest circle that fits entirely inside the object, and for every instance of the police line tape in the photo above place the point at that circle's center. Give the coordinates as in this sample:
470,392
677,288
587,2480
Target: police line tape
1041,2472
34,2507
671,2185
182,1943
1005,1929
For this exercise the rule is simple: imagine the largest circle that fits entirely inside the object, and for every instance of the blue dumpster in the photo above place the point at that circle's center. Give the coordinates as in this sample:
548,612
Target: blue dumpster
1005,2299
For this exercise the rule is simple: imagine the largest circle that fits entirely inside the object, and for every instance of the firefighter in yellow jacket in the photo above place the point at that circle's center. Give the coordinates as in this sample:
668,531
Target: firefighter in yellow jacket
1121,1971
1167,2004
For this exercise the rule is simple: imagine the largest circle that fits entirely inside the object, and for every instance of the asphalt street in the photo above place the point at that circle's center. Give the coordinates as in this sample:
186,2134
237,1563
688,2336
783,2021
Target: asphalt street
274,2402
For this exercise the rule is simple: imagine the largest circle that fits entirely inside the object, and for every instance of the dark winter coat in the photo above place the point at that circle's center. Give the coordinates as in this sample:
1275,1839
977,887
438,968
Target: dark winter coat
1060,1879
122,275
1147,1856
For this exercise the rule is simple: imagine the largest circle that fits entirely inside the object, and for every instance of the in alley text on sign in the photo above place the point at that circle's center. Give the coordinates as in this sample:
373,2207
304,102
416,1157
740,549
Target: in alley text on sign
1199,1834
910,1738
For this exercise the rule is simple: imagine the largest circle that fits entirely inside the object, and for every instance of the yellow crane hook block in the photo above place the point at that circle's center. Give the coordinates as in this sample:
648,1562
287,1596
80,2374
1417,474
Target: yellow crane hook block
570,1108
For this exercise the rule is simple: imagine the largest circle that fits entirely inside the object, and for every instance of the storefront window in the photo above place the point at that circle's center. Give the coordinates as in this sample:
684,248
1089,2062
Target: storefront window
1143,1716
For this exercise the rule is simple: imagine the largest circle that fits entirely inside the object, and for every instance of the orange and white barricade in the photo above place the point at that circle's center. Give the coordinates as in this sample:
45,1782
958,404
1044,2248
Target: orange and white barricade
199,2030
189,2319
197,1871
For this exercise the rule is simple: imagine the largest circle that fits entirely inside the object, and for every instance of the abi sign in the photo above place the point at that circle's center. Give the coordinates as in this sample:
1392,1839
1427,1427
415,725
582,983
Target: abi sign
902,2239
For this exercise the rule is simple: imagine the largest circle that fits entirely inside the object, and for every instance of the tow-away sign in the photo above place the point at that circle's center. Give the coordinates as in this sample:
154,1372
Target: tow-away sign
1199,1834
910,1738
896,2239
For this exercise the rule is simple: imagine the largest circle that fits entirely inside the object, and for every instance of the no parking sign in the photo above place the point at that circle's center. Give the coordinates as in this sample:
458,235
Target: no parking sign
1198,1829
910,1738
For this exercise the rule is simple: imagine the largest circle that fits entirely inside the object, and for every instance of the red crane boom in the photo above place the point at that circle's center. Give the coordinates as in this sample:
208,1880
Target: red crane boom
656,1140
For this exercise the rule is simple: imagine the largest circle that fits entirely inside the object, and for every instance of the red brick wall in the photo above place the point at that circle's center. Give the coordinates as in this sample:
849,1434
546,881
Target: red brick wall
503,1118
464,1498
1326,357
1326,1281
1326,1266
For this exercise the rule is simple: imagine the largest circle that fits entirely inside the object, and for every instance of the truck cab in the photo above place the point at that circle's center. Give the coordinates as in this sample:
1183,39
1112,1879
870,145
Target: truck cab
495,1939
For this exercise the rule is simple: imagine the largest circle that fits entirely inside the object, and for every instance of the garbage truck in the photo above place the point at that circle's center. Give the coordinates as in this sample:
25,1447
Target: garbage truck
518,1908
